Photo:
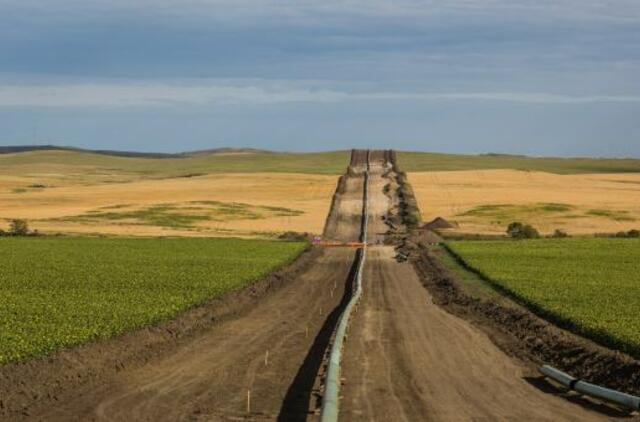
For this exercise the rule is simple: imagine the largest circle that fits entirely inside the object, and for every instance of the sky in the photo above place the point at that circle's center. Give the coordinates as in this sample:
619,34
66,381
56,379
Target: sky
543,77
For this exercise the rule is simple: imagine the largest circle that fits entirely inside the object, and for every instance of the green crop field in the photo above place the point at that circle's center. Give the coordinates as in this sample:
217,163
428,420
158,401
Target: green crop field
589,285
59,292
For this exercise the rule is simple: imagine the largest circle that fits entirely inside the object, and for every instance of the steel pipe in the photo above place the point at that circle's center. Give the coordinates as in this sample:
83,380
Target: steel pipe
622,399
331,397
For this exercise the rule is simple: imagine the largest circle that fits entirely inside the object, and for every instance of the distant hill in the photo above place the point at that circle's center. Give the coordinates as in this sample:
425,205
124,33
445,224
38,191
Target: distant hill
426,161
219,160
116,153
238,160
31,148
227,151
498,154
26,148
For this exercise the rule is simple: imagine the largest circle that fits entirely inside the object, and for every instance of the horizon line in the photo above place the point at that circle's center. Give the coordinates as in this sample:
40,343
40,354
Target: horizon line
17,149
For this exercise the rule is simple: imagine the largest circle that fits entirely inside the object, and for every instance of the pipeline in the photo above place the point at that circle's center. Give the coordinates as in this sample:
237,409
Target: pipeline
622,399
331,397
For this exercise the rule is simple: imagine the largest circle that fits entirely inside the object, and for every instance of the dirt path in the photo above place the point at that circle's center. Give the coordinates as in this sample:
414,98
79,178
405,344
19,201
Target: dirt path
407,359
379,203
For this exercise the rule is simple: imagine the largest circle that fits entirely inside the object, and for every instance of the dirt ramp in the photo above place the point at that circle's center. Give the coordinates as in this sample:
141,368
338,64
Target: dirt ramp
345,216
358,158
380,157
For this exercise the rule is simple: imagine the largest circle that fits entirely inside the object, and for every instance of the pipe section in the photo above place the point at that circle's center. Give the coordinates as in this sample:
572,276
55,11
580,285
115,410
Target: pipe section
331,397
622,399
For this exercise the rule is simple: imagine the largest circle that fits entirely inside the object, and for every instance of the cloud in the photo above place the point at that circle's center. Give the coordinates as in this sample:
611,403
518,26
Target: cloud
375,40
146,94
311,12
514,97
150,94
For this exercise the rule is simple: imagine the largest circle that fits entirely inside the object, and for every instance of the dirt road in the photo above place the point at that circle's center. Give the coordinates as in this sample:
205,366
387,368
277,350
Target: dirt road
407,359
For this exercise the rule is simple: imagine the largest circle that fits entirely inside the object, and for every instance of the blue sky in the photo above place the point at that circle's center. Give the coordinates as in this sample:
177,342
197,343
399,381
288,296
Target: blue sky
546,77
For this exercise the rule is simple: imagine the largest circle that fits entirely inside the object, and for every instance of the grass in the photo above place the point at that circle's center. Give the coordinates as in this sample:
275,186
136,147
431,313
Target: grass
30,188
61,292
310,163
506,213
423,161
115,169
553,207
473,283
179,216
589,285
503,214
614,215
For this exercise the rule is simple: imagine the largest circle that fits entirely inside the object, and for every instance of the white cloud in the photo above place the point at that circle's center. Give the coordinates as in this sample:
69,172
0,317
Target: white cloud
125,95
144,95
515,97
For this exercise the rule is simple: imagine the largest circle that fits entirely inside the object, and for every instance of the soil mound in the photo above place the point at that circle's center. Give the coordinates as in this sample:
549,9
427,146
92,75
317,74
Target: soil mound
437,224
295,236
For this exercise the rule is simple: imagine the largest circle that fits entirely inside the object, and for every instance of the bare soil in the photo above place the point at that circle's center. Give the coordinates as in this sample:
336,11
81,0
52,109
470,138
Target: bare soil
345,217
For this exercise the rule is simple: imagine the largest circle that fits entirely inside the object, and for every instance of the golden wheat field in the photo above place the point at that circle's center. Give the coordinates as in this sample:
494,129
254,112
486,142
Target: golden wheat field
123,196
240,204
486,201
